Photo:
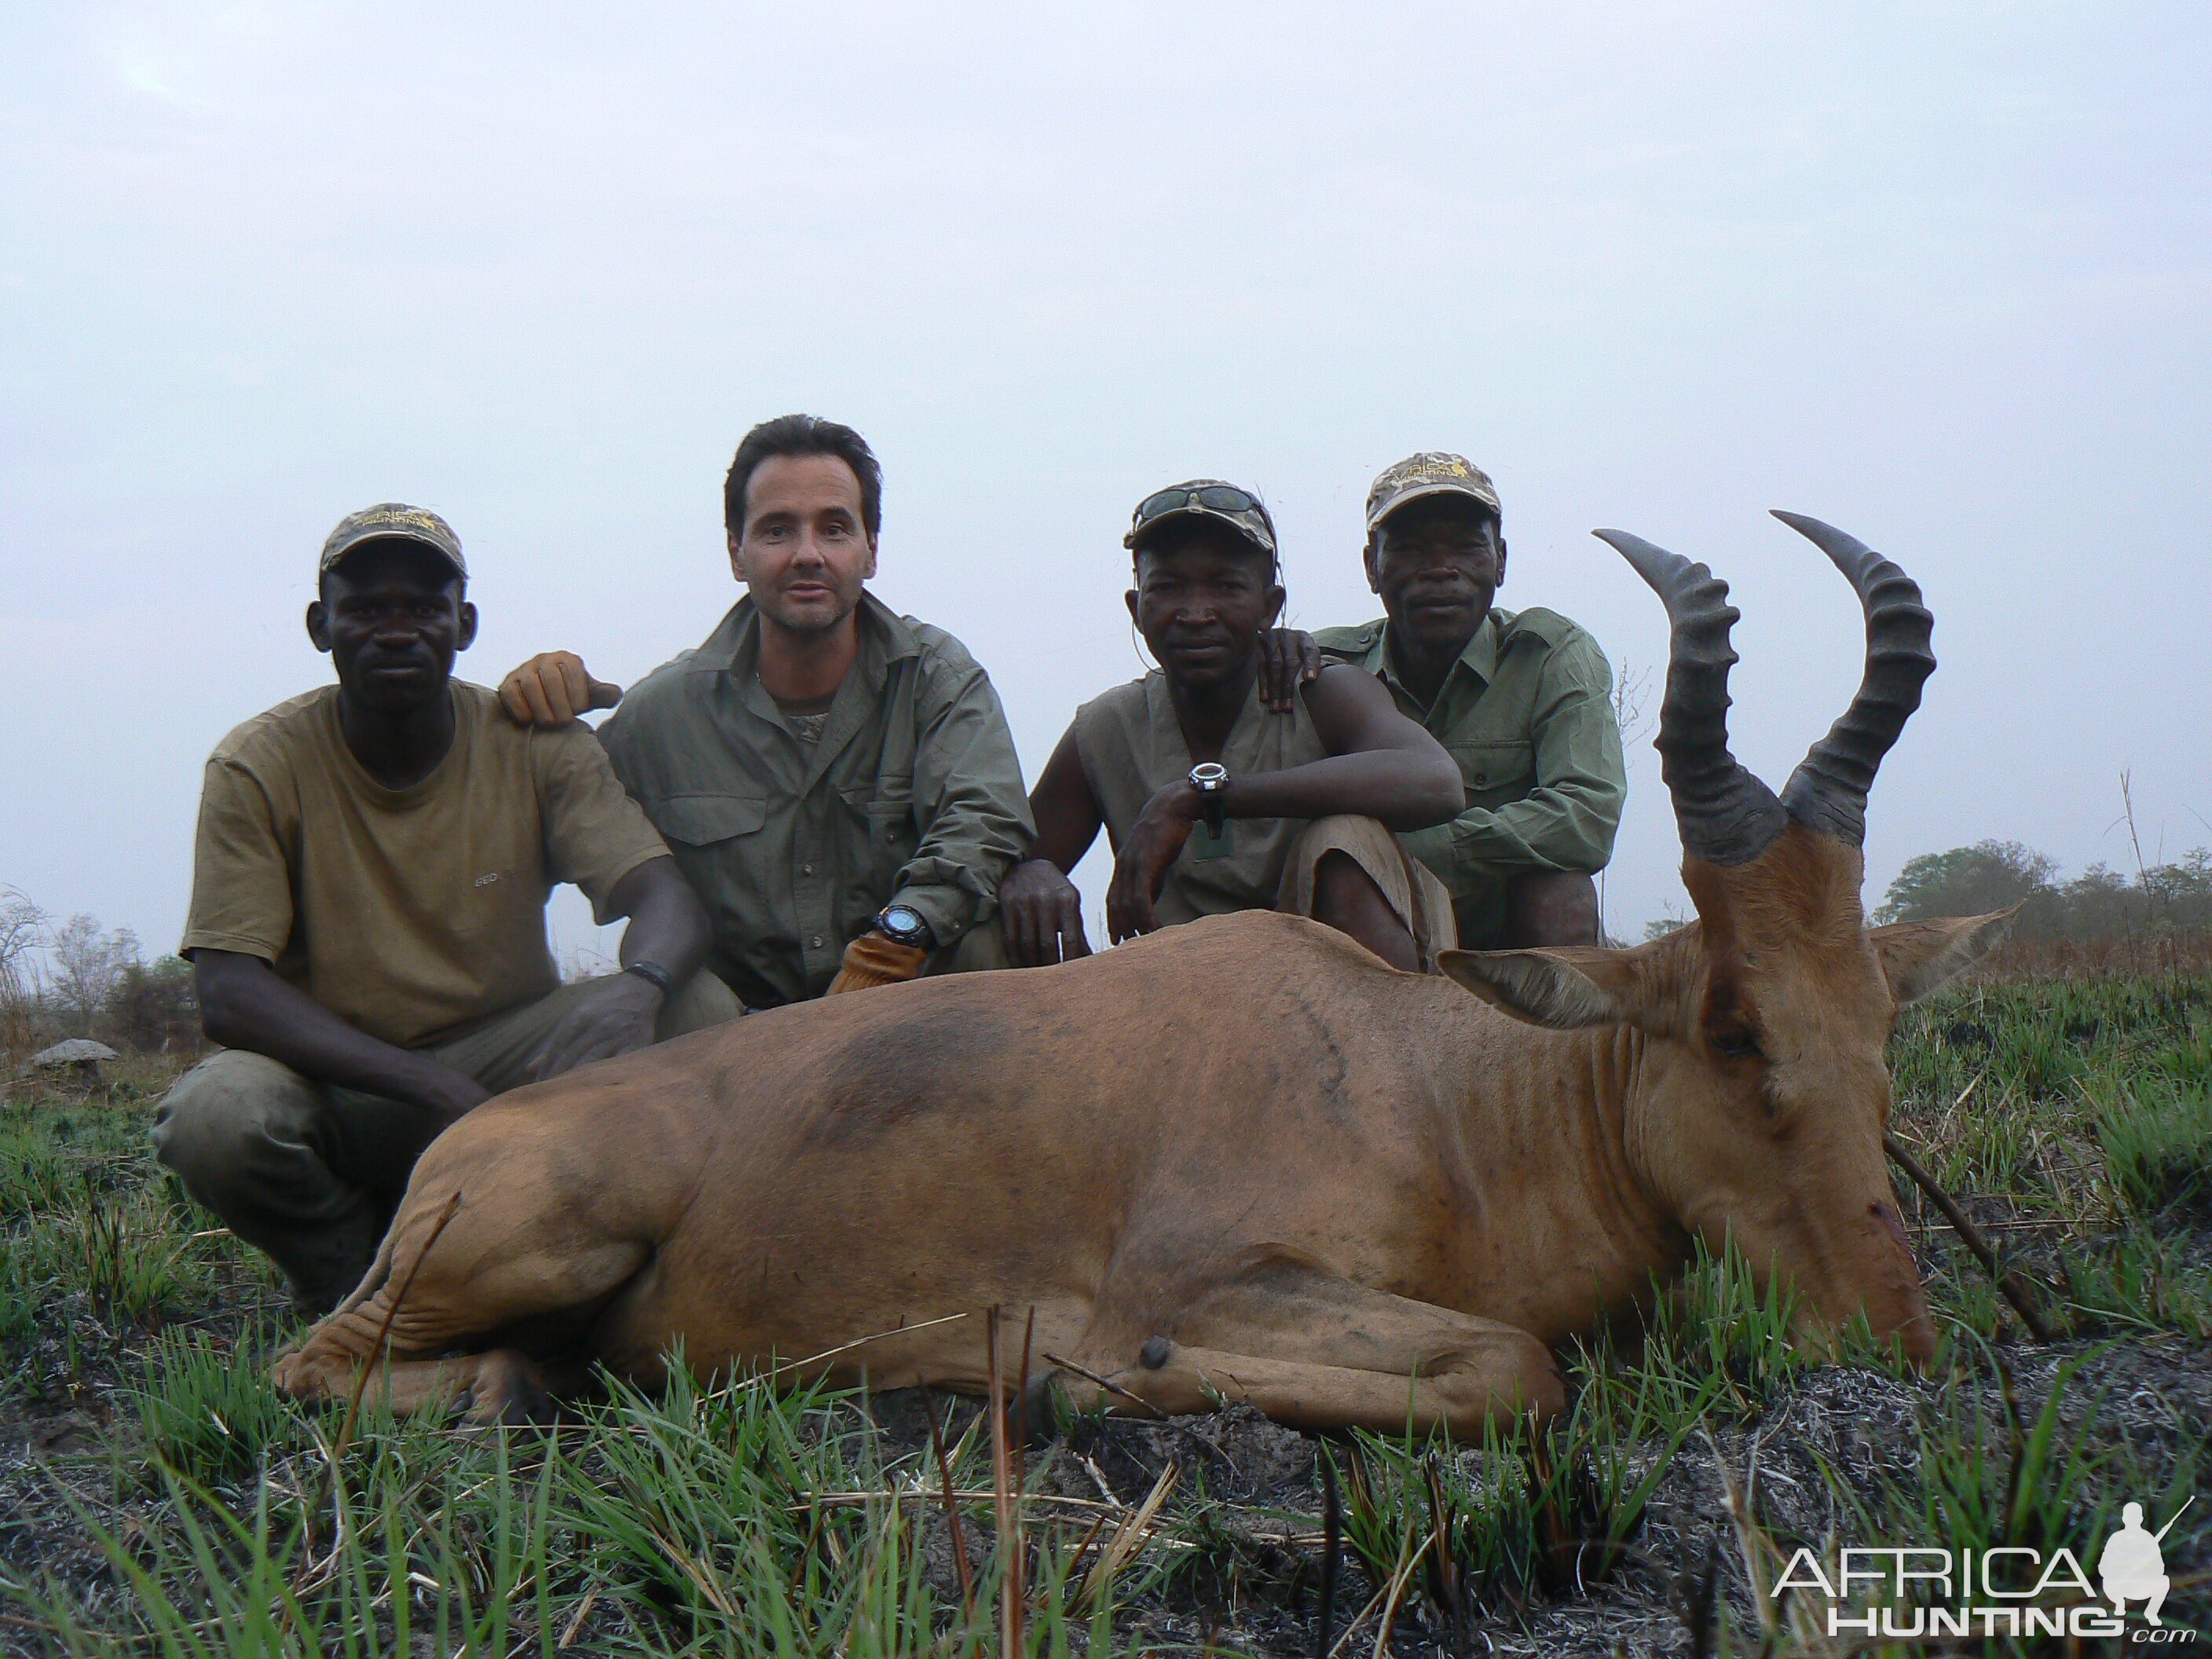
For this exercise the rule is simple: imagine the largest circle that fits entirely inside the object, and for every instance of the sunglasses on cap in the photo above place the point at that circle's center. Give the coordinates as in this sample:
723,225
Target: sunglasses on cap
1221,498
1225,501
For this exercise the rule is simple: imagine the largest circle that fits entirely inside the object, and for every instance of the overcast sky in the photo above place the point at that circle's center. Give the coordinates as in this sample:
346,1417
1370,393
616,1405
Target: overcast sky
1935,273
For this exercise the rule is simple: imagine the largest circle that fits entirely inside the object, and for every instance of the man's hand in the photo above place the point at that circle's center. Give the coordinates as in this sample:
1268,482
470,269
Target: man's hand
1040,915
1288,659
451,1096
552,689
243,1005
616,1018
1140,868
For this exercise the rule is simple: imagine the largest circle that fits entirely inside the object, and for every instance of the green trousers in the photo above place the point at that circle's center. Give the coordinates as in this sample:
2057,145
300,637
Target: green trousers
312,1173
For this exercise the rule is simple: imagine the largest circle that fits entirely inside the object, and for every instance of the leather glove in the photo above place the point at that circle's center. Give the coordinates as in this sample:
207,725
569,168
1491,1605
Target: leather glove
872,960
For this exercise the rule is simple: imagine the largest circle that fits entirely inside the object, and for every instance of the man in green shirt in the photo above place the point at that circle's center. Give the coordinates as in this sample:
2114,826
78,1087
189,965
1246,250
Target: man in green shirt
1522,701
836,781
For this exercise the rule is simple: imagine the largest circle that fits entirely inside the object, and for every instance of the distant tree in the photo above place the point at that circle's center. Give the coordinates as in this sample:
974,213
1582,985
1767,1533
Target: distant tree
2099,904
1972,881
88,965
152,1008
22,931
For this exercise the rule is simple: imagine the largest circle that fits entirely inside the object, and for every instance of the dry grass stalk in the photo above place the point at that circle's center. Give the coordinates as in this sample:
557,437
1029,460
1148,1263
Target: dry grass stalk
1003,1495
2007,1282
952,1507
1126,1539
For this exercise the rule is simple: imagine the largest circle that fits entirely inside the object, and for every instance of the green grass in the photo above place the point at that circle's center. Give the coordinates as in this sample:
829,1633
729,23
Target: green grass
194,1513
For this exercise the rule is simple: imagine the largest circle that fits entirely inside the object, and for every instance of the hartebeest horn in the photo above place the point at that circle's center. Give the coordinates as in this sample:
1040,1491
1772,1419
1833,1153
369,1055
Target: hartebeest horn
1828,790
1726,816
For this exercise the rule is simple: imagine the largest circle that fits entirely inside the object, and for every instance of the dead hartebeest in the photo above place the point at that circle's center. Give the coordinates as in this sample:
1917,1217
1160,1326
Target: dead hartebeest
1240,1158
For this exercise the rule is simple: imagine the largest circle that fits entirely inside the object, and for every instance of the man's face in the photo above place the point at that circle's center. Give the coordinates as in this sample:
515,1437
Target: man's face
392,618
1438,563
804,553
1200,601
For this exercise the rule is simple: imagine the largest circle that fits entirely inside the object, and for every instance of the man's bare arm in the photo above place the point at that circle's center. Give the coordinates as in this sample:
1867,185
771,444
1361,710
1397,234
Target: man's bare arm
1380,763
244,1004
1040,913
668,928
552,689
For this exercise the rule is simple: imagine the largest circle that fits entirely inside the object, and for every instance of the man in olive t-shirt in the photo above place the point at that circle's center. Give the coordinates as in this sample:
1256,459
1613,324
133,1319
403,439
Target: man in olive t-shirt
367,926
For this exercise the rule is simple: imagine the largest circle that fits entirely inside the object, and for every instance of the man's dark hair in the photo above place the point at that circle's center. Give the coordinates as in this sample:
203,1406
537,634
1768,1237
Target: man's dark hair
804,435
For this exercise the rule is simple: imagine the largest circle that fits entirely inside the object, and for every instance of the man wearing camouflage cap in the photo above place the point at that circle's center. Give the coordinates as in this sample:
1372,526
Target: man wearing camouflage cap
1521,700
1291,803
367,925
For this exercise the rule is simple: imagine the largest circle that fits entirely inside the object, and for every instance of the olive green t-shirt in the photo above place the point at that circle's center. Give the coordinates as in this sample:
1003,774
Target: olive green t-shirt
406,912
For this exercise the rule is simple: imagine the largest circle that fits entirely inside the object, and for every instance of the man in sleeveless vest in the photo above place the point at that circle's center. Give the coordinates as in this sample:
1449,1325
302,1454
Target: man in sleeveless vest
836,780
1212,801
1522,701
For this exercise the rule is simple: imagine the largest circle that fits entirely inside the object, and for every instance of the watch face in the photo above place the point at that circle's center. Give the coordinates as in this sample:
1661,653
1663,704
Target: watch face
1209,773
902,923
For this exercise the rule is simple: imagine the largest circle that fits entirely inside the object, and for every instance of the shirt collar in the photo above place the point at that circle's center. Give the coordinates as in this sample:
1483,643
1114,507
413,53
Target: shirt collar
735,642
1480,656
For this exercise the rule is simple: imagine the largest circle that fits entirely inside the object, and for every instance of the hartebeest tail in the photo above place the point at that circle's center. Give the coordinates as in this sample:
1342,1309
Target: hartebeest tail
1240,1158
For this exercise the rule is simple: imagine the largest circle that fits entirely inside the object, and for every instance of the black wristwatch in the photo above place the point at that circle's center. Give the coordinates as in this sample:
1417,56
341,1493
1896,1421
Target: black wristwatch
1210,778
902,924
653,975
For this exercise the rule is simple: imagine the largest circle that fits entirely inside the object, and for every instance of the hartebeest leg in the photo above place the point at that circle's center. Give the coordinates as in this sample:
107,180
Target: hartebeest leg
1313,1350
507,1275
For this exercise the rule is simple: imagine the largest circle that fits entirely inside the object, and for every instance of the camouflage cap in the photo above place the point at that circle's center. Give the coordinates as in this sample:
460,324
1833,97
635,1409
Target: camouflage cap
393,521
1431,472
1205,498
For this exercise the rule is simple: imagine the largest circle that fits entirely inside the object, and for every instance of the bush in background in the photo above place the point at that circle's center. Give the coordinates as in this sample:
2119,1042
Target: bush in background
2163,899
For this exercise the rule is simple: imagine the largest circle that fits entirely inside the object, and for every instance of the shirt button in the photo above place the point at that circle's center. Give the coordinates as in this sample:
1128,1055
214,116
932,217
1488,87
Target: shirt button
806,869
816,941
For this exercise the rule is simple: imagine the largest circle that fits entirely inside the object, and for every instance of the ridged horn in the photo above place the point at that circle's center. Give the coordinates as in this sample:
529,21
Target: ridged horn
1726,816
1828,790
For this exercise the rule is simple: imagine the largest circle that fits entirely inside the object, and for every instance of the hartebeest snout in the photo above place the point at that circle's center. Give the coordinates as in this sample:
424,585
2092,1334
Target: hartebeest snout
1239,1158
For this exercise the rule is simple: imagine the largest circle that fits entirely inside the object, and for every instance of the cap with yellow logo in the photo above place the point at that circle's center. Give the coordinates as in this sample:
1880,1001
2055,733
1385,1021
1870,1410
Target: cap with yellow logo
1431,472
393,521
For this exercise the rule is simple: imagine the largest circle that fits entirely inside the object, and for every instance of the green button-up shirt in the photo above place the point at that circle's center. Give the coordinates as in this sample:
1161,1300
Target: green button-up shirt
912,794
1527,711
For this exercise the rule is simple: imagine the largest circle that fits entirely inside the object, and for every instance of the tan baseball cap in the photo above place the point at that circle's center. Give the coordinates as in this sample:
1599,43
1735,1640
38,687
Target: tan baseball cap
1431,472
393,521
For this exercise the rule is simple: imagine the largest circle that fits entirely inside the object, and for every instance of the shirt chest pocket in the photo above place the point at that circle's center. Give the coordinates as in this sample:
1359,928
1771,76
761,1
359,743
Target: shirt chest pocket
883,815
1495,771
704,820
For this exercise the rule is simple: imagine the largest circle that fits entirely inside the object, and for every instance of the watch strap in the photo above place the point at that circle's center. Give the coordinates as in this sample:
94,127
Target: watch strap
653,975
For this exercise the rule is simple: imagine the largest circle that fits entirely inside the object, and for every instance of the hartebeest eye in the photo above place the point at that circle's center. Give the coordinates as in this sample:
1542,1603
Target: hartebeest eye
1733,1042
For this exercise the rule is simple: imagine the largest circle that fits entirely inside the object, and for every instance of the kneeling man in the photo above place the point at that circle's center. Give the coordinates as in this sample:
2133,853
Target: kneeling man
368,928
1522,700
1214,803
837,781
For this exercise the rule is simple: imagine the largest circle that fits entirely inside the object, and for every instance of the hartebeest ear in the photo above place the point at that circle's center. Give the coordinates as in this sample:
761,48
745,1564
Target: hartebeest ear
1918,957
1560,988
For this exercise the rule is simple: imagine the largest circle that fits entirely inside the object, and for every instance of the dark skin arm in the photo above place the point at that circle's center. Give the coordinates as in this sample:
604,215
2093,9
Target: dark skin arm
1040,912
667,926
244,1004
1380,764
